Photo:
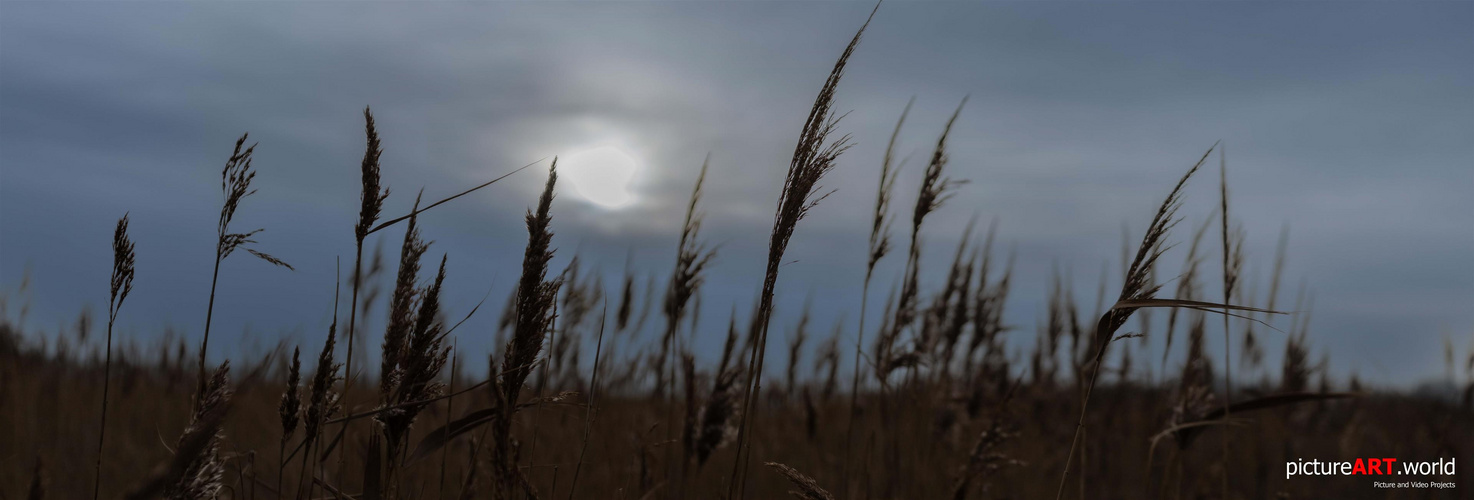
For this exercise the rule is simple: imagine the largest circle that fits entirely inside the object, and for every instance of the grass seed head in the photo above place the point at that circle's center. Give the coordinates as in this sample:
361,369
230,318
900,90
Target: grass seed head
535,297
123,266
290,408
373,195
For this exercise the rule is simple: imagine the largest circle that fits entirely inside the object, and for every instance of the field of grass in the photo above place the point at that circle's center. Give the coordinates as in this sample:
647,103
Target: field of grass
48,417
939,405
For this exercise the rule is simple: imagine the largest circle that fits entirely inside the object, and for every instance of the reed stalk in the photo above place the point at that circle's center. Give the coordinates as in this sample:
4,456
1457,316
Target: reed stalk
1137,290
813,157
879,246
122,283
235,184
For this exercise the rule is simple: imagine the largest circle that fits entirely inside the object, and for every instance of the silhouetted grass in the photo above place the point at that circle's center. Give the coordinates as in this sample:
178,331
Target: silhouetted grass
973,417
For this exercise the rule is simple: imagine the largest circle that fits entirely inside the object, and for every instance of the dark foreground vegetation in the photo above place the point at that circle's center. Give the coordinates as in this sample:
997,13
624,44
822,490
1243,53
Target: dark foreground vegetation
929,443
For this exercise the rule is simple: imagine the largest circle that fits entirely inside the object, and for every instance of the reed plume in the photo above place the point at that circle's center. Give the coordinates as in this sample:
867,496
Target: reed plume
290,408
371,203
122,283
813,157
200,439
692,258
204,475
290,411
714,420
1233,259
401,309
1187,285
887,359
416,378
936,188
1138,288
878,247
535,301
535,297
323,403
987,311
371,199
581,292
951,308
235,183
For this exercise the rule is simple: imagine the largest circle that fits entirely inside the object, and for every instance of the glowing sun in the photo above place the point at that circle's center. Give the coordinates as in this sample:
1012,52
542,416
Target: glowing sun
601,175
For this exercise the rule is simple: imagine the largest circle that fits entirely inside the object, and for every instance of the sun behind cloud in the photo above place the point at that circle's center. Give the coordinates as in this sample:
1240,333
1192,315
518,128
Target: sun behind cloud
601,175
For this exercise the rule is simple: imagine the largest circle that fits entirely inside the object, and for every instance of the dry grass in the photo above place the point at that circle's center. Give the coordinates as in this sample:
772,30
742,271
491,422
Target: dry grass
44,429
235,184
813,157
973,417
122,284
879,246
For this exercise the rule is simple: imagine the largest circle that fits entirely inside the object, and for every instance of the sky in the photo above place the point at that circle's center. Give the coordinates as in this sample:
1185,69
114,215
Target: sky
1349,124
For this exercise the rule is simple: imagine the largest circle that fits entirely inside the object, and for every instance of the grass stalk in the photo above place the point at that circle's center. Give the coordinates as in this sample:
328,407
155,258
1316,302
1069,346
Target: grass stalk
290,411
692,259
588,418
814,156
122,283
371,203
1232,263
879,246
235,184
1138,286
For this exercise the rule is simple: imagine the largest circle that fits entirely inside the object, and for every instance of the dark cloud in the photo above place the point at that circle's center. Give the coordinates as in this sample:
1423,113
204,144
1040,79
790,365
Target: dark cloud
1353,124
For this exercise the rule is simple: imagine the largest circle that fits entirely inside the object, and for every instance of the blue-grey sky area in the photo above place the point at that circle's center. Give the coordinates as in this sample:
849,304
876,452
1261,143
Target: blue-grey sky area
1352,124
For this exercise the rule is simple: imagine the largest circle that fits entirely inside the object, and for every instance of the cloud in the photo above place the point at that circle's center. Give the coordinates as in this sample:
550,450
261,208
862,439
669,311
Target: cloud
1349,123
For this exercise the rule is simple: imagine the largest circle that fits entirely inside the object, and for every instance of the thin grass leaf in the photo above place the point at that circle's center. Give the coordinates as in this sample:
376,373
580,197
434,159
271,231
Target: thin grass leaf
268,258
419,211
1215,417
443,435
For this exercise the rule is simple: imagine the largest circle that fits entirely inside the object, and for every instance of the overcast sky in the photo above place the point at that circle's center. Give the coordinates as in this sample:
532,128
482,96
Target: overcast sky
1352,124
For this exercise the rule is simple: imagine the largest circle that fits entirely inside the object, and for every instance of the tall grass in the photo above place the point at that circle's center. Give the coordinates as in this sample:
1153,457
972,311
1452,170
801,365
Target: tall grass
1137,289
413,355
1233,260
692,258
235,183
290,411
324,403
992,422
536,296
971,416
122,283
371,203
813,157
879,245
